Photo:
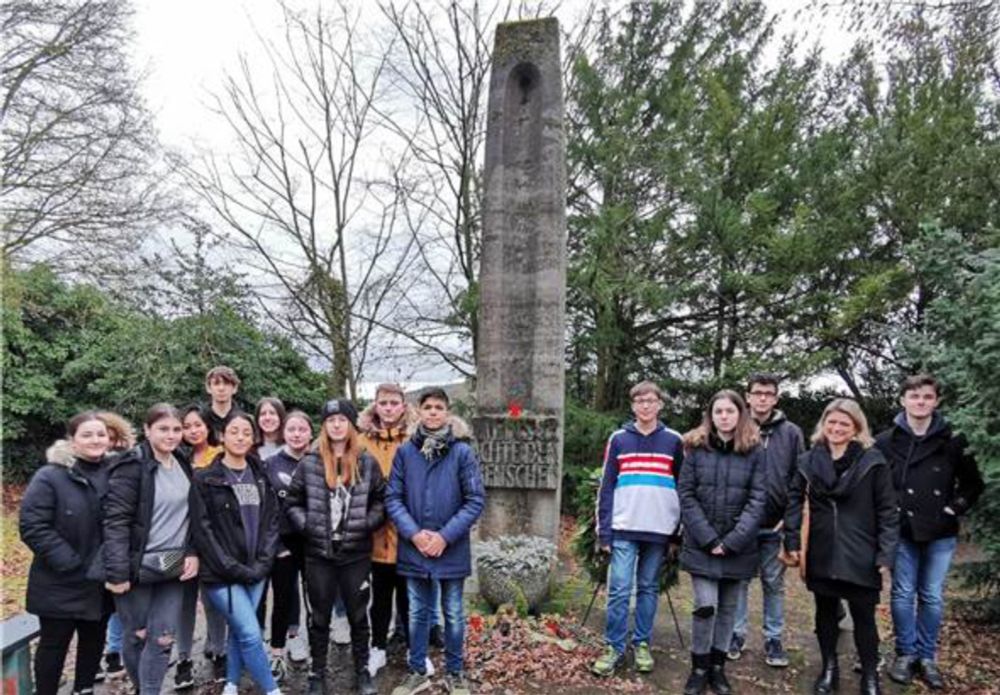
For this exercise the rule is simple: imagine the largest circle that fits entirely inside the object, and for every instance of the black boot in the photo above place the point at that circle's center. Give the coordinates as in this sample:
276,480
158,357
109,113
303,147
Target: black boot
364,684
698,680
829,678
870,684
717,674
317,684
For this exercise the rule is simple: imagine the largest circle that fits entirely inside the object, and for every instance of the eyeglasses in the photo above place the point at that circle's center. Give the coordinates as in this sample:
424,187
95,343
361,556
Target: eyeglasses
646,401
764,394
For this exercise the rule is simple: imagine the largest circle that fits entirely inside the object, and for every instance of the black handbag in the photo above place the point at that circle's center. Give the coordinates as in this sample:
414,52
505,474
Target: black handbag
161,565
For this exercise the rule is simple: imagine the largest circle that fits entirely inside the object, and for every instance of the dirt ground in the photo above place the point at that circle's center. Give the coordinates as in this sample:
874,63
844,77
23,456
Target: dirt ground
748,675
969,655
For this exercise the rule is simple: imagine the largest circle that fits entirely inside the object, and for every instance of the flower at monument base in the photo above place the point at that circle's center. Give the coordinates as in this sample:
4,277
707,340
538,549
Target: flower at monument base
514,409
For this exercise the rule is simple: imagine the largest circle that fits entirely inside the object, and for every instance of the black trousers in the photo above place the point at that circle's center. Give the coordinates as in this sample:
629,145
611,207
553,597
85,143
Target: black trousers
285,592
386,583
324,579
865,630
53,643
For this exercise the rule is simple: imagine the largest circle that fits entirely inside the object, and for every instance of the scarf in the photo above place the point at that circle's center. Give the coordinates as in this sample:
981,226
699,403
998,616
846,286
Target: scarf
435,442
836,478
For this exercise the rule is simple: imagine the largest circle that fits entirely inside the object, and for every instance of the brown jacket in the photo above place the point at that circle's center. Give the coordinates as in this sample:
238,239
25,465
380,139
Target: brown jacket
382,443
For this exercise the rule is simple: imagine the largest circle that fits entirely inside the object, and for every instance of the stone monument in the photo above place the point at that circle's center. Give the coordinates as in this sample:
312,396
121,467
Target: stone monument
520,371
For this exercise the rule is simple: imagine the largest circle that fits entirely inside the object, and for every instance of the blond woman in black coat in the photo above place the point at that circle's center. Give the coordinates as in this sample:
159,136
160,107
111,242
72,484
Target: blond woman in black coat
853,528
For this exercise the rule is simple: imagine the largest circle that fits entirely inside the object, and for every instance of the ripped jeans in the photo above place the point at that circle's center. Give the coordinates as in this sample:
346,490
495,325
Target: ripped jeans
150,614
714,613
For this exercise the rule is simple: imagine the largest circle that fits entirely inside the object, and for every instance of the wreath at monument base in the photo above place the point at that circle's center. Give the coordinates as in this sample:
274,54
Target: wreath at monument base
585,545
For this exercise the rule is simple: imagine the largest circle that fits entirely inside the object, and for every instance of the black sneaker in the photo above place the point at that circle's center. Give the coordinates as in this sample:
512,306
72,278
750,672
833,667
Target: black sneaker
931,675
218,667
437,637
317,684
902,668
184,676
278,668
736,645
364,684
397,642
774,653
113,666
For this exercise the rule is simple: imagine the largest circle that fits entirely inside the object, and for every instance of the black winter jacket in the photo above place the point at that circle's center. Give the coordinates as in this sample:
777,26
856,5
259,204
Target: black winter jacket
931,474
782,443
217,526
308,508
853,525
280,468
60,521
128,512
722,497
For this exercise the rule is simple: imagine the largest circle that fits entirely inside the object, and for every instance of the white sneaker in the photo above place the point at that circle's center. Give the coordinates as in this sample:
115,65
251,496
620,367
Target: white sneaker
428,664
340,630
231,689
376,660
297,648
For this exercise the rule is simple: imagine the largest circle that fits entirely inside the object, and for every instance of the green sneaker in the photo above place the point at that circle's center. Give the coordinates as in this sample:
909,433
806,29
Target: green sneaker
607,662
414,683
456,684
643,658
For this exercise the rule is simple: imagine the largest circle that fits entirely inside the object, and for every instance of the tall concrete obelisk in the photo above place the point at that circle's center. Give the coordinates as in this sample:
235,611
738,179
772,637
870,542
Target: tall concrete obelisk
520,370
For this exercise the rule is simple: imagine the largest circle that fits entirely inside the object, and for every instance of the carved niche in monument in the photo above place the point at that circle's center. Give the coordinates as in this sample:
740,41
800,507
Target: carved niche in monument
522,285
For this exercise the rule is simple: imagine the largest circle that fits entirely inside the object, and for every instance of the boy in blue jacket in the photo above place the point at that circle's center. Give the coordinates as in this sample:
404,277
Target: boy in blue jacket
435,494
638,512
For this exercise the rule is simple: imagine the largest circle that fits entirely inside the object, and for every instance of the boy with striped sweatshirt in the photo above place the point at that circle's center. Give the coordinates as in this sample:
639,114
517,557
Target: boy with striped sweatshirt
638,512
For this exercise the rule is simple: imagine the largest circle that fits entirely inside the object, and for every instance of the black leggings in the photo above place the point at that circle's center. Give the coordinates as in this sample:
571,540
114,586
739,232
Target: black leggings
53,643
385,582
865,630
324,580
285,592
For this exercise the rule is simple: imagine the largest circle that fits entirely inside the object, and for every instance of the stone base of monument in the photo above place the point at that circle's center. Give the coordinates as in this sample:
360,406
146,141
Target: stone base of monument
515,570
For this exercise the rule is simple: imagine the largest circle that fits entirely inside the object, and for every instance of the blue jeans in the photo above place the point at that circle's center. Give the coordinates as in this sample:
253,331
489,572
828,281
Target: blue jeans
639,562
772,583
436,603
114,639
422,608
238,603
918,578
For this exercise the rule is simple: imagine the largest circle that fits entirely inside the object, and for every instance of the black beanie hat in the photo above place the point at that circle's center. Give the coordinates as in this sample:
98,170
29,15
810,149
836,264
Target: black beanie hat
340,406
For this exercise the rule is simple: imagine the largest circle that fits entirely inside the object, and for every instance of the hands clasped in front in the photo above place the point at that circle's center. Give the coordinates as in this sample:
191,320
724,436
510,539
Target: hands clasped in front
429,543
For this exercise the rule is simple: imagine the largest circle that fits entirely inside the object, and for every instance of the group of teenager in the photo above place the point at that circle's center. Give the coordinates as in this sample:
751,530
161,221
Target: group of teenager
742,496
369,510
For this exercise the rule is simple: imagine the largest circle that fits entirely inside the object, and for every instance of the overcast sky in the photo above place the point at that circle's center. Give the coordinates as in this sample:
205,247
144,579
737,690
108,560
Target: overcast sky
184,47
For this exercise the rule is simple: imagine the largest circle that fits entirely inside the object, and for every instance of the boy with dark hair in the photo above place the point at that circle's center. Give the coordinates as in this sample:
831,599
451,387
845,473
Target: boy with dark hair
638,513
435,494
937,481
782,443
221,384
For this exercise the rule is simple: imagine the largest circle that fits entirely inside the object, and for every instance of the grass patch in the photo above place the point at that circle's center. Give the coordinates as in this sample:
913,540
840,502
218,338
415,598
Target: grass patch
15,558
